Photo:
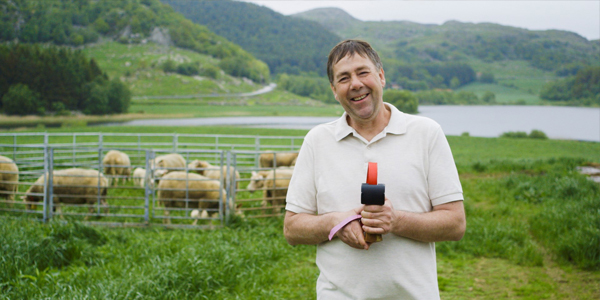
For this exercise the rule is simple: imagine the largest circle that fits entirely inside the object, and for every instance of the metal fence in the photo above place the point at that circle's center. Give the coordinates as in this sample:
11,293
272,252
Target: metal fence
133,200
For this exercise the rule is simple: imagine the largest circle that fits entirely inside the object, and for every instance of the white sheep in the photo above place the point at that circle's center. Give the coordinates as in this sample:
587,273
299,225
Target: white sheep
274,184
164,164
204,168
9,178
189,190
267,160
116,166
139,175
71,186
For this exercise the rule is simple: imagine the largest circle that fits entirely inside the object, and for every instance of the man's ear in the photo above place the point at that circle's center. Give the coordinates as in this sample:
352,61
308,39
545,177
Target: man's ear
333,89
382,77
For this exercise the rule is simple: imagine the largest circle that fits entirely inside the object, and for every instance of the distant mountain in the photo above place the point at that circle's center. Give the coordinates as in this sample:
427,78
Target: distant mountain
286,44
455,41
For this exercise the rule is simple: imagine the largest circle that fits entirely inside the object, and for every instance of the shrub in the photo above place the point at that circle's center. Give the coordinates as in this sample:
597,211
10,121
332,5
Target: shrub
404,100
169,66
20,100
488,97
188,69
514,134
487,77
538,134
210,71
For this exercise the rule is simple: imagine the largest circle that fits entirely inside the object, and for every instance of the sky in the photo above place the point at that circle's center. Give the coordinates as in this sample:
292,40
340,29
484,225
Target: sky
579,16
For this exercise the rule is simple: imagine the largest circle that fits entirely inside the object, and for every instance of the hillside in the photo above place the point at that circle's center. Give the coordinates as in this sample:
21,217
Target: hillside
520,61
84,22
288,45
547,50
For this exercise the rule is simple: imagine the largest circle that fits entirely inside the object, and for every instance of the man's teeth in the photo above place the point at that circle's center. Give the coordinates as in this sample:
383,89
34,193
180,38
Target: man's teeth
359,98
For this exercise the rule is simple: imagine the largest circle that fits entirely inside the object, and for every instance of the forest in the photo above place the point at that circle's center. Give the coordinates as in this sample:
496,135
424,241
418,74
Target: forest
37,79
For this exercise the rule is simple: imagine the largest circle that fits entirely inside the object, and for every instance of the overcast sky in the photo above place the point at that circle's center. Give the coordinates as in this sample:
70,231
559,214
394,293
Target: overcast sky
579,16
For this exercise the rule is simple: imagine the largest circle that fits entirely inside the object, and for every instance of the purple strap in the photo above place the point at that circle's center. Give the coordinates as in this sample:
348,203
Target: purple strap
342,224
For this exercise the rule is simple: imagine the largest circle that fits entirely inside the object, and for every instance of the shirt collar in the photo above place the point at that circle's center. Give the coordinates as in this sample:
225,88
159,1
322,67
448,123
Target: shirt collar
397,124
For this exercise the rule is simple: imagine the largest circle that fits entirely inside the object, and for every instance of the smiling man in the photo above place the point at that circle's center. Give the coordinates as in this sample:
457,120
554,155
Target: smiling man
423,195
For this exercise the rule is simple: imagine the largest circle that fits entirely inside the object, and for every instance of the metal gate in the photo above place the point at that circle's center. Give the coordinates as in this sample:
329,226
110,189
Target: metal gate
133,199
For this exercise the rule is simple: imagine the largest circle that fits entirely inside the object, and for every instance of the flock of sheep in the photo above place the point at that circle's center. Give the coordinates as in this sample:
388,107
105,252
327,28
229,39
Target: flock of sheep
196,185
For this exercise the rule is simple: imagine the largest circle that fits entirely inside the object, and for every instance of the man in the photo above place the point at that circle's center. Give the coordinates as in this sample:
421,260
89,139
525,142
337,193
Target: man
423,194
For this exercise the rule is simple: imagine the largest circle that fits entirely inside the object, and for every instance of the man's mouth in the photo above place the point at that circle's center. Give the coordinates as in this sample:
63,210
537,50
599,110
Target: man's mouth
359,97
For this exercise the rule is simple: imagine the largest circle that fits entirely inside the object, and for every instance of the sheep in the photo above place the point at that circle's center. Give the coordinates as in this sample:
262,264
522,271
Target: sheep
71,186
206,169
200,190
117,164
274,184
139,175
9,179
265,160
164,164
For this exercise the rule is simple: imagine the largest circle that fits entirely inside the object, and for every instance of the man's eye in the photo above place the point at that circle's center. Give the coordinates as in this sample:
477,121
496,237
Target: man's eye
343,79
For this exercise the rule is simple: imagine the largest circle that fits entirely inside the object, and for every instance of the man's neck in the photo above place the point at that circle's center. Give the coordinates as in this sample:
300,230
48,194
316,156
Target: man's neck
370,129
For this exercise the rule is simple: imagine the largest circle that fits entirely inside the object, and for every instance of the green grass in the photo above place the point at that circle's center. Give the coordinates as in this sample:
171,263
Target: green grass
503,94
533,232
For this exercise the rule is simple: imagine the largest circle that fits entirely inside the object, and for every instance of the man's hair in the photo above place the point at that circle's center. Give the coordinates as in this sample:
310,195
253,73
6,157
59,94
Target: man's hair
351,47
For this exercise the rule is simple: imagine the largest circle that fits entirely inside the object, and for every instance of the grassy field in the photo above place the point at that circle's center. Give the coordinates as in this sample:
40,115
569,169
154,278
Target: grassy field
503,94
533,232
140,66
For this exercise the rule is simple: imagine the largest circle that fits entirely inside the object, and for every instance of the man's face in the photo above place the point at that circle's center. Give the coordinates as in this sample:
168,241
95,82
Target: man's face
358,87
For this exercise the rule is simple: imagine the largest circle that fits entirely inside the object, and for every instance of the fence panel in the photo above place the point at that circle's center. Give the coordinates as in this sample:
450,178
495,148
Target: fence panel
20,167
261,190
132,199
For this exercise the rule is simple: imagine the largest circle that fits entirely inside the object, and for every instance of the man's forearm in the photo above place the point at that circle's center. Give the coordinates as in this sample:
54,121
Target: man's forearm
309,229
445,223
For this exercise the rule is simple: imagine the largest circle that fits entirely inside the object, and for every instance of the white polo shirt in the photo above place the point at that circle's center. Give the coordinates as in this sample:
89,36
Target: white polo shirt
416,165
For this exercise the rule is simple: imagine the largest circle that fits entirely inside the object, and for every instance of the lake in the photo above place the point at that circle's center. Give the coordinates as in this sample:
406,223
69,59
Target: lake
558,122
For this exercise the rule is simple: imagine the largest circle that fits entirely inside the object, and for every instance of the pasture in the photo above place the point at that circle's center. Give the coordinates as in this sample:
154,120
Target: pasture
533,232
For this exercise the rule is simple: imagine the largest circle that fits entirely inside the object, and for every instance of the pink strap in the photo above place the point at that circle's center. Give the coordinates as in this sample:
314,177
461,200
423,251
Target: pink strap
342,224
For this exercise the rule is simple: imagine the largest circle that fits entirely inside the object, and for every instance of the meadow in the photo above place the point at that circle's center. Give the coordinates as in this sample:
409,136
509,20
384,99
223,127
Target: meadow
533,232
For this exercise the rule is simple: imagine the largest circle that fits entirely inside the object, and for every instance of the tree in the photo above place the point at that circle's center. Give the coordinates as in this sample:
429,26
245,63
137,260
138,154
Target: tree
119,97
487,77
20,100
98,100
404,100
488,97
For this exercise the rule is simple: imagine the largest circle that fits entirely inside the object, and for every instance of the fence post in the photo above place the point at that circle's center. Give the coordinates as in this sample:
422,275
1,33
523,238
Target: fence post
147,189
45,186
14,146
100,171
50,185
74,146
175,142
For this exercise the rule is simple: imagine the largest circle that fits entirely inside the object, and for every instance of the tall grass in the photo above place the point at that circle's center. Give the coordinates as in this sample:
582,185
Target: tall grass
249,259
529,206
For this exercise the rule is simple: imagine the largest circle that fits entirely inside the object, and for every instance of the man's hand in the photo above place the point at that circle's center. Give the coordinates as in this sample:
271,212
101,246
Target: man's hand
352,235
378,219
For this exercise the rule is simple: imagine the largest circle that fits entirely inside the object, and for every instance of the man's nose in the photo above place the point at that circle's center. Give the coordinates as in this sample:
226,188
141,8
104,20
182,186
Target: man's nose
355,83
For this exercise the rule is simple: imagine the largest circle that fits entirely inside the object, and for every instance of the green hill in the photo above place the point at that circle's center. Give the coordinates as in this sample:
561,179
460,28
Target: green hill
288,45
76,23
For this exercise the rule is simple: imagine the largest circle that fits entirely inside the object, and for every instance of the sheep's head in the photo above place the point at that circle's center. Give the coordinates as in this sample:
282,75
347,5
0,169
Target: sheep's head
198,166
257,181
159,165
